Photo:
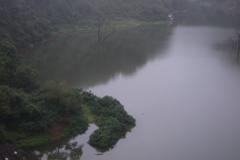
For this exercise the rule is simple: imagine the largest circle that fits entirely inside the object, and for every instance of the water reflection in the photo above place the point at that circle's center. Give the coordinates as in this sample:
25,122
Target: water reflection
78,59
60,150
68,148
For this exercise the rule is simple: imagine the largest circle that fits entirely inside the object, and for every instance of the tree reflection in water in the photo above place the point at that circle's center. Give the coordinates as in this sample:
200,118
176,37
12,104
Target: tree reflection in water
71,150
59,150
77,57
63,149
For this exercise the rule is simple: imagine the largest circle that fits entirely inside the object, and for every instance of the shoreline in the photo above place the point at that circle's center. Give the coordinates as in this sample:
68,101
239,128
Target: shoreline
121,25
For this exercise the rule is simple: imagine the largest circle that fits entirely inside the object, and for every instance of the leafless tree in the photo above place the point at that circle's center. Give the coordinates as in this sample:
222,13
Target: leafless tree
105,28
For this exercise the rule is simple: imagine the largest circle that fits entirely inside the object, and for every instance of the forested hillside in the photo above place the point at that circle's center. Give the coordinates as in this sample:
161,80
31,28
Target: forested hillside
29,21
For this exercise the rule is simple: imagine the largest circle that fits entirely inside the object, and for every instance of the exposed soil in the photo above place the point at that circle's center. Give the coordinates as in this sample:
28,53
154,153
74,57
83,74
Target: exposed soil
56,130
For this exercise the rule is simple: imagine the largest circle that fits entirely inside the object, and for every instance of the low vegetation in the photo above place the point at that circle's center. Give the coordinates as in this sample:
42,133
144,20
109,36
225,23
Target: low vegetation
112,120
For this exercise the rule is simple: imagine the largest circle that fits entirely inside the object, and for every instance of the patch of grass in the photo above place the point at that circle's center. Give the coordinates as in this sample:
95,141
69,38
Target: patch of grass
131,23
34,140
89,115
121,24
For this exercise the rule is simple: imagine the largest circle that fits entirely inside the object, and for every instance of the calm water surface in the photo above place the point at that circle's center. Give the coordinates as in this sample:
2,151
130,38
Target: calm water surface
182,89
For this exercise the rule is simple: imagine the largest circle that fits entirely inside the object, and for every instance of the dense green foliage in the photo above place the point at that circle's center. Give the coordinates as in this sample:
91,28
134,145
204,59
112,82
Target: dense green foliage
29,113
114,119
27,107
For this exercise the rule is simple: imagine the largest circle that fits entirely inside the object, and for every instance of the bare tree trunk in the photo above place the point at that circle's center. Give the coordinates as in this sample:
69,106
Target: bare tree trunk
112,31
105,29
101,21
99,30
236,44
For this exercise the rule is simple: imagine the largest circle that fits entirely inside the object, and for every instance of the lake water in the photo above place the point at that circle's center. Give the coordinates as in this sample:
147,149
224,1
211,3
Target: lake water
180,83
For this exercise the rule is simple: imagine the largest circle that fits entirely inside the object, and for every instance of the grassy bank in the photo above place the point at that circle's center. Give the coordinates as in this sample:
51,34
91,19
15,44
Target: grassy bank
37,139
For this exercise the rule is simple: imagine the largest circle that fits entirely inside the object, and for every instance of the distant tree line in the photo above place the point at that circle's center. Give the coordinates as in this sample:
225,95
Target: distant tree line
29,21
25,22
